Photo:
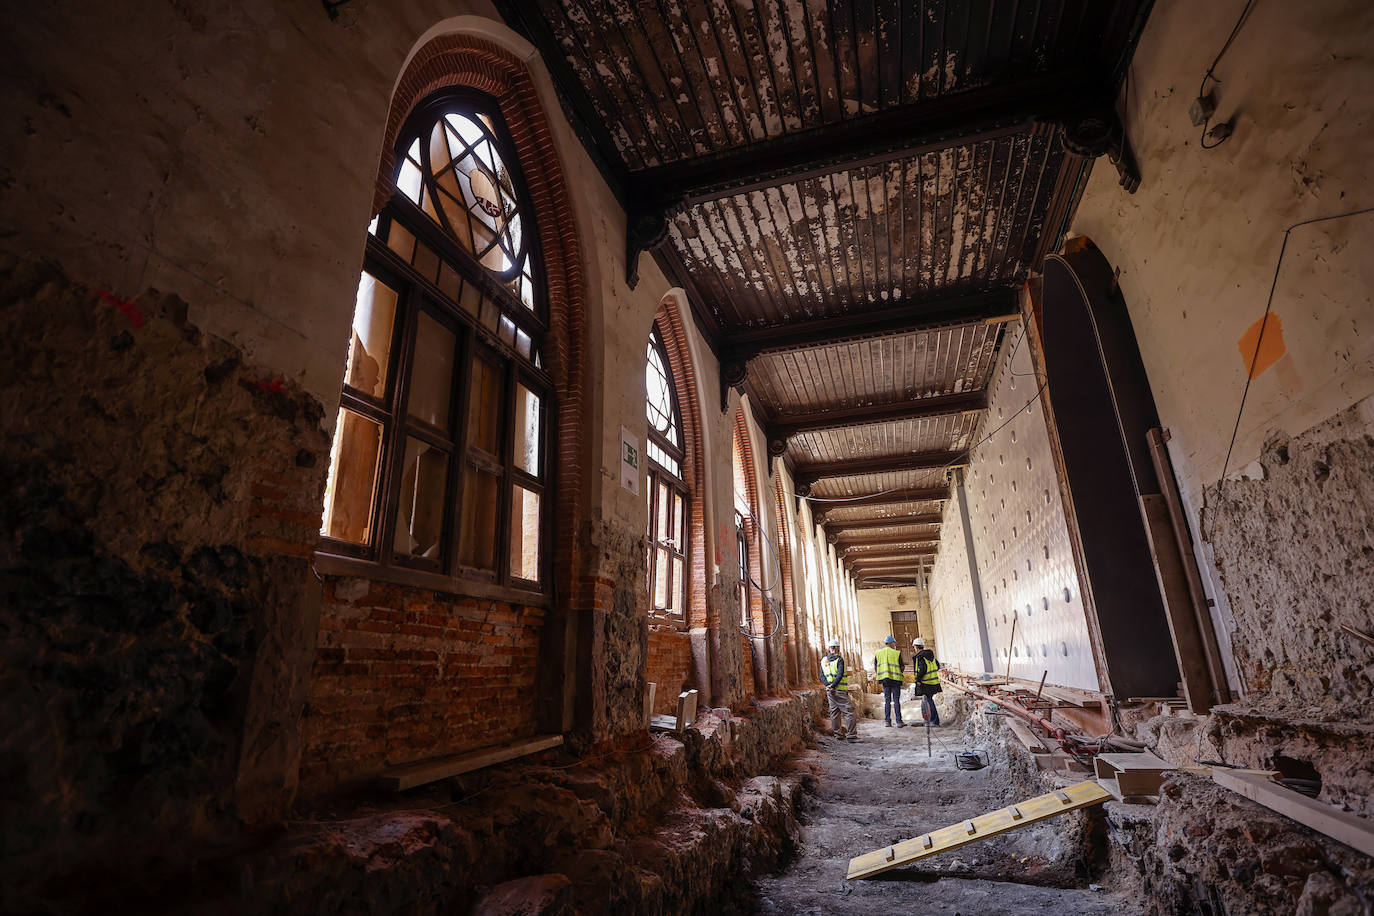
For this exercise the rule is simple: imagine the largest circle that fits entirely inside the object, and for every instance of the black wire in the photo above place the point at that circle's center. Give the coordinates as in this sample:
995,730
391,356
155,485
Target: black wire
1264,326
1209,75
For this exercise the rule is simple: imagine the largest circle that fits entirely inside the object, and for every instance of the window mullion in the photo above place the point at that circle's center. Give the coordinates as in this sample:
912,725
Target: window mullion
403,350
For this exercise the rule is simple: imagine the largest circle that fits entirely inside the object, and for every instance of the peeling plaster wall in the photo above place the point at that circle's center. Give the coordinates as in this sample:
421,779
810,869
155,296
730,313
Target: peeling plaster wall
875,606
1197,247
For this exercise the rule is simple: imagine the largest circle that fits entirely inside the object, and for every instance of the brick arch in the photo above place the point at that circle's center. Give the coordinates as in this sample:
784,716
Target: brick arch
668,319
763,621
789,600
468,61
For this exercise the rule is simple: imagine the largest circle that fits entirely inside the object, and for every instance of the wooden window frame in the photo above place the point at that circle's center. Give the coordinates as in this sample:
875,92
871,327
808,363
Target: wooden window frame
743,548
657,475
489,329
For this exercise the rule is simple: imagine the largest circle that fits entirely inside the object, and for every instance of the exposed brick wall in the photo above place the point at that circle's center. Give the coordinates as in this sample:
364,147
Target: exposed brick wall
404,674
750,684
669,666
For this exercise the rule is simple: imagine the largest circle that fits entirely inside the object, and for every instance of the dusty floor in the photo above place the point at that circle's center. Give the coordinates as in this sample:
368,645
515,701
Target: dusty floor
883,789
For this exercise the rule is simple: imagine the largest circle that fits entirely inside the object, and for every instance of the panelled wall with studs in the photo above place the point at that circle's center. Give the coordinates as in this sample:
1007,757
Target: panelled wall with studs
1030,589
952,608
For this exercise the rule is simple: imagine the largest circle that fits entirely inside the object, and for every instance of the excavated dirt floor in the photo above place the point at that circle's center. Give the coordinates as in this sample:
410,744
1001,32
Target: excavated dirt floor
884,788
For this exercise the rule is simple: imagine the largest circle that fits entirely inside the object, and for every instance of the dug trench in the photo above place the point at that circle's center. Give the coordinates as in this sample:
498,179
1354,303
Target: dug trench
886,788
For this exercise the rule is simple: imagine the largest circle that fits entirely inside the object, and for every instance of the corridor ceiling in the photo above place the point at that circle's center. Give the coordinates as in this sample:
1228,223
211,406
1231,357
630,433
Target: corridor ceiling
851,193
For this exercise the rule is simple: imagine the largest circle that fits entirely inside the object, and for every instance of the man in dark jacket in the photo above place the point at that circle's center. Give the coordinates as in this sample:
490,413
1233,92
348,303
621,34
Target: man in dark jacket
927,670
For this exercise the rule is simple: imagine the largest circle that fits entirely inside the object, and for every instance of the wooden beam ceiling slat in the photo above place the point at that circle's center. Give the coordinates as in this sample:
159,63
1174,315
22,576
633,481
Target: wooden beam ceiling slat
808,474
909,317
843,527
786,425
929,125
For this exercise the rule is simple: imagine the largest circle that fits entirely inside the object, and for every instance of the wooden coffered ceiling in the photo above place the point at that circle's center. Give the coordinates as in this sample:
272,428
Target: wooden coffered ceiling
851,193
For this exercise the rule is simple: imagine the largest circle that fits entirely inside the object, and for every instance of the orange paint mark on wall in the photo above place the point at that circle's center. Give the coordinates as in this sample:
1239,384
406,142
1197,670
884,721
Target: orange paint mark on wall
1267,335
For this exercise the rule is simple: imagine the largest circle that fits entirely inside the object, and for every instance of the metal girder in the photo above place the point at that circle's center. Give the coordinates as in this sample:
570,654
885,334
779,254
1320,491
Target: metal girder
941,122
808,474
785,426
845,527
907,317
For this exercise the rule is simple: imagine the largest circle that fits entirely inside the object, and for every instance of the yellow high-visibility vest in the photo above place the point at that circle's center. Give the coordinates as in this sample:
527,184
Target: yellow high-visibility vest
932,673
831,667
889,663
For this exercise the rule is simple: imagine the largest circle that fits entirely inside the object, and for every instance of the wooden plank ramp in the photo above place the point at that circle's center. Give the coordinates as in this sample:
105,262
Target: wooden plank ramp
994,823
398,779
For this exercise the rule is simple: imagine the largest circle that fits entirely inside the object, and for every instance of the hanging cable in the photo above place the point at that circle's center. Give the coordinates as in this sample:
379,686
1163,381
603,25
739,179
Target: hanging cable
1264,326
1210,75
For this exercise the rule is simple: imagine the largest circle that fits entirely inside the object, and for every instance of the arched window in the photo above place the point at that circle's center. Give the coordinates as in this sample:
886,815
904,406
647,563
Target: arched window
440,456
668,495
744,526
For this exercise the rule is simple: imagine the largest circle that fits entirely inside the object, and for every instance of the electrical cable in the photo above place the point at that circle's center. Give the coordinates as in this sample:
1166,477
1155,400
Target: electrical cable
1209,75
1264,326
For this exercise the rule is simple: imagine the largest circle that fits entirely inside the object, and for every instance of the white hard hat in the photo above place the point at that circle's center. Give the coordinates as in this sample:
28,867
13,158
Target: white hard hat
834,641
918,642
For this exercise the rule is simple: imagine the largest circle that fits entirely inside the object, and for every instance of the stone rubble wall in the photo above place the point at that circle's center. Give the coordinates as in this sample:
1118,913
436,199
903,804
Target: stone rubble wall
1295,548
160,501
658,826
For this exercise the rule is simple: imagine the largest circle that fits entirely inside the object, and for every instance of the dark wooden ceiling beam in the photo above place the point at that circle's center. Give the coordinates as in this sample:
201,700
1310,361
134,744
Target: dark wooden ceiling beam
907,317
885,559
808,474
889,497
933,124
886,541
785,426
850,526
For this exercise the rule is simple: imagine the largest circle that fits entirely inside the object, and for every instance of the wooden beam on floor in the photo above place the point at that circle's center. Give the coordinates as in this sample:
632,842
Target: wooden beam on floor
1351,829
400,778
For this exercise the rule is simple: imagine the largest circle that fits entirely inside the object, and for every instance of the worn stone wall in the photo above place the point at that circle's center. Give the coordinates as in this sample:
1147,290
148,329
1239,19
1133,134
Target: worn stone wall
1294,543
669,665
160,500
404,674
666,825
1206,850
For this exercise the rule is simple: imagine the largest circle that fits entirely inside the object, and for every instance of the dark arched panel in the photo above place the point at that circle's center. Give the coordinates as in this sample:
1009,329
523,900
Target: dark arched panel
1103,408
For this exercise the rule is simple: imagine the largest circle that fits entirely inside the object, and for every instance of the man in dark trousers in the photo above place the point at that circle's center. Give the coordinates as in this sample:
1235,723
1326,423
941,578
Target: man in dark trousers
927,669
836,683
887,668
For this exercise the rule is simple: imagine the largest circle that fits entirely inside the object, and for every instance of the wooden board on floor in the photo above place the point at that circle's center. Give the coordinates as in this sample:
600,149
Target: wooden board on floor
1351,829
1132,775
994,823
398,779
1030,739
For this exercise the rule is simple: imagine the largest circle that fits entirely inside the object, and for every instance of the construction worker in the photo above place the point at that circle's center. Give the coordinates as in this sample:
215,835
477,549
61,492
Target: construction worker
888,667
837,692
927,669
